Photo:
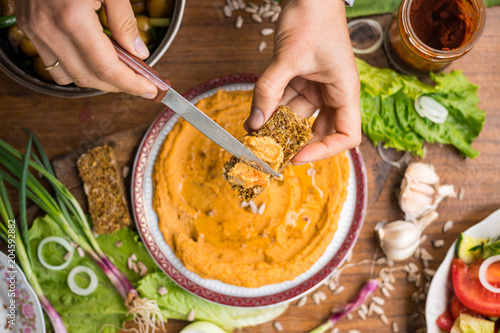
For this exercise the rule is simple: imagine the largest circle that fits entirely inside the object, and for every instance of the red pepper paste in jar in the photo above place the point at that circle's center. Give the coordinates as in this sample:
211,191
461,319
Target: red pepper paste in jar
426,35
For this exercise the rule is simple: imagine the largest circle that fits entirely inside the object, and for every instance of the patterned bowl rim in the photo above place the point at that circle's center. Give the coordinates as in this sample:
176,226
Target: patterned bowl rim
139,212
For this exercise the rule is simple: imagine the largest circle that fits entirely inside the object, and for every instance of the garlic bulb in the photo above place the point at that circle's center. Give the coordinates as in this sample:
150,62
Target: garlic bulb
400,239
420,191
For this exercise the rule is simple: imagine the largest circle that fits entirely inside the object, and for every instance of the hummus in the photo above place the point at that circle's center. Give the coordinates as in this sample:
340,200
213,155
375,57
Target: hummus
207,225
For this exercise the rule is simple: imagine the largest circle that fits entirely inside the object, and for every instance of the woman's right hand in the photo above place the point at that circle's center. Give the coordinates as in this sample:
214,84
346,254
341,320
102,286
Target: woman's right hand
69,31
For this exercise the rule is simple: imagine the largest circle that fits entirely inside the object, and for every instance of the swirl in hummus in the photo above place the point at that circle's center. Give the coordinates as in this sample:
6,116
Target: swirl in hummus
204,222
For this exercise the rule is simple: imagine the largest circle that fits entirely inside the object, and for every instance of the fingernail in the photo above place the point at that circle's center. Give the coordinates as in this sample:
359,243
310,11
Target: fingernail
141,48
148,95
298,163
256,119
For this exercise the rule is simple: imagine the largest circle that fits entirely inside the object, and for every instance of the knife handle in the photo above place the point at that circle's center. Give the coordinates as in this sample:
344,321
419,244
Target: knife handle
141,68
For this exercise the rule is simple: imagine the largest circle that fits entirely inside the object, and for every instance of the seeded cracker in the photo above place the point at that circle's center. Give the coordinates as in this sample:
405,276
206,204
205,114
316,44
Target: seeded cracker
104,189
287,129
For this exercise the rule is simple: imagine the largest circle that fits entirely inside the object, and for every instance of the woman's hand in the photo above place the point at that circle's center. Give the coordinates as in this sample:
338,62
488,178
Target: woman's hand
69,31
313,68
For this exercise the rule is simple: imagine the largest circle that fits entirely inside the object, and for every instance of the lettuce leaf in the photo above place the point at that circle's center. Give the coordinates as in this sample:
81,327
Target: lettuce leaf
388,114
177,303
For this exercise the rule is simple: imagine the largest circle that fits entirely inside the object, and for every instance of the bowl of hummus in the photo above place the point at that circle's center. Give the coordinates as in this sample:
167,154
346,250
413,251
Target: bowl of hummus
270,250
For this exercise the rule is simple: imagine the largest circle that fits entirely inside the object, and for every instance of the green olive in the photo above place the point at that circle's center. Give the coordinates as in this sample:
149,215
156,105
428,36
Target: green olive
103,18
8,7
138,7
143,23
160,8
145,36
16,35
28,48
40,70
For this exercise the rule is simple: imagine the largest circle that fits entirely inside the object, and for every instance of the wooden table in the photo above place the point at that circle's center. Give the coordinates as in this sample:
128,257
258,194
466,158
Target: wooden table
208,46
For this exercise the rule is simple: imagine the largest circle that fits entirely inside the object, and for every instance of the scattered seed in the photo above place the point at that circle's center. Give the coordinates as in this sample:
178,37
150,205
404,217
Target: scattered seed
253,207
302,301
413,267
395,327
191,315
429,272
331,284
85,189
80,251
461,194
67,255
414,297
418,281
252,5
242,4
277,326
244,204
118,244
73,243
425,255
239,22
411,277
349,316
125,171
335,330
133,257
385,292
256,18
267,14
229,3
261,209
266,31
378,310
143,270
392,278
275,17
235,4
437,243
447,226
354,331
421,297
364,308
129,263
384,319
134,267
251,10
423,239
416,254
425,263
348,256
262,46
370,308
338,290
162,290
378,300
381,261
389,286
361,314
228,12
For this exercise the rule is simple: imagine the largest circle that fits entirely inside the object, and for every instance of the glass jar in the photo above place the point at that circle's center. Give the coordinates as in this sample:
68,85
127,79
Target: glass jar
408,54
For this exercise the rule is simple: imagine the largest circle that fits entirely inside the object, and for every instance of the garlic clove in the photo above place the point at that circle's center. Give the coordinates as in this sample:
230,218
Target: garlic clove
423,188
401,254
415,204
422,173
447,191
398,239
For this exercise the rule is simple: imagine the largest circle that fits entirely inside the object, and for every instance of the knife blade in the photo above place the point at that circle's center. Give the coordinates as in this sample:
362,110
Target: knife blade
192,114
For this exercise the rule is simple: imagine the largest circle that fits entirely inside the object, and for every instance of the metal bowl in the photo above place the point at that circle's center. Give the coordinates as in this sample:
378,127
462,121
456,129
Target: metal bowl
28,80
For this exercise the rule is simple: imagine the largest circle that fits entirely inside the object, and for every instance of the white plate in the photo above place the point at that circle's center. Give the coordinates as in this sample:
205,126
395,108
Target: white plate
441,286
28,311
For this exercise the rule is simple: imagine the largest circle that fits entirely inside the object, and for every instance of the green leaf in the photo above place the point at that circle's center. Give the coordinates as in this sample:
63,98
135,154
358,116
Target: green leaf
22,202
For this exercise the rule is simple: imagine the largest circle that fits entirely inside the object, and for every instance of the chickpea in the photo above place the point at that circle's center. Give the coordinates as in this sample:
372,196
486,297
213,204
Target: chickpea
40,70
160,8
28,48
16,35
138,7
103,18
143,23
8,7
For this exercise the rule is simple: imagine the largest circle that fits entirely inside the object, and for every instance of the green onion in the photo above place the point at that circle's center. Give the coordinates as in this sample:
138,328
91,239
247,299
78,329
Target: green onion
160,22
7,21
22,201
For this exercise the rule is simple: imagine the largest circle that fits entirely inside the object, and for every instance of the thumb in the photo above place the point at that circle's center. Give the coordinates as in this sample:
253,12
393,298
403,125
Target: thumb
267,94
123,26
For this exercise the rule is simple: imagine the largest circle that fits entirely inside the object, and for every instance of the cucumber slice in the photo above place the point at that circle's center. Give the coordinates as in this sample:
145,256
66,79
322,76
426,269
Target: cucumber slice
464,244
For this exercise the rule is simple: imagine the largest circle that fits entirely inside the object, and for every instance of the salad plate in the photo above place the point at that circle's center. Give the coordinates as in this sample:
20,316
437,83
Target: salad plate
441,285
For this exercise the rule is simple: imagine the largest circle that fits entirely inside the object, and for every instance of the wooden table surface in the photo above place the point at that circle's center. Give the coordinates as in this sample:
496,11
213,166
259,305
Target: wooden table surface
208,46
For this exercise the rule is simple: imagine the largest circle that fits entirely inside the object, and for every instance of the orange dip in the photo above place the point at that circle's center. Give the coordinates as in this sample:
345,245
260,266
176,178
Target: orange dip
204,222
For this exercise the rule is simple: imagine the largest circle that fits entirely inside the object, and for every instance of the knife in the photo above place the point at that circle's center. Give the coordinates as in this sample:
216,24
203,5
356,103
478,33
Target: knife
191,113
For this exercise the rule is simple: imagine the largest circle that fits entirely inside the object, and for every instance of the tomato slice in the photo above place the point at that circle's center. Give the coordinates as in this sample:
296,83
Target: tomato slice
445,321
471,292
458,307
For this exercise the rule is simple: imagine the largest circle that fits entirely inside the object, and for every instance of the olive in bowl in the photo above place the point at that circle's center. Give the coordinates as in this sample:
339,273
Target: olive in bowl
20,61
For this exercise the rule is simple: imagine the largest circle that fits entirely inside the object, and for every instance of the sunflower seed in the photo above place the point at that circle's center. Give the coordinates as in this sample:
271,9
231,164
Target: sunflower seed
80,251
239,22
191,315
244,204
381,261
354,331
378,300
461,194
162,291
253,207
370,308
67,255
275,17
235,4
277,326
429,272
302,301
252,5
331,284
242,4
385,292
266,32
349,316
423,239
134,267
262,46
261,209
437,243
256,18
447,226
338,290
73,243
251,10
378,310
394,327
425,255
389,286
129,263
335,330
133,257
364,308
267,14
416,254
227,11
118,244
361,314
384,319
